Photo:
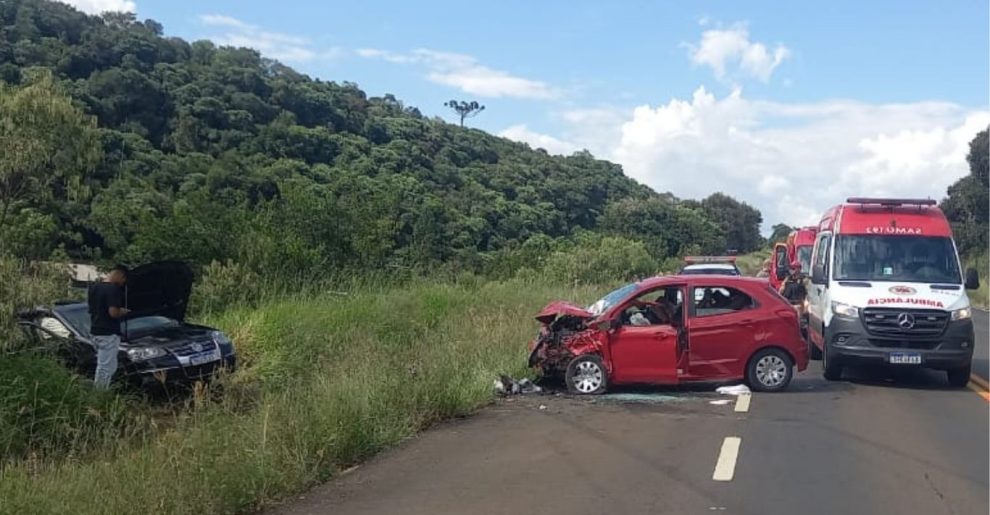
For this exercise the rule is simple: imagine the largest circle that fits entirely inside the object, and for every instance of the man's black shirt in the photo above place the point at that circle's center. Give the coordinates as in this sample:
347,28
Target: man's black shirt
102,297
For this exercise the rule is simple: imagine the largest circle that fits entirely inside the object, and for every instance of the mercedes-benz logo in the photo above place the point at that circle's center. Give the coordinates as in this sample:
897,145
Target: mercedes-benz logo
905,320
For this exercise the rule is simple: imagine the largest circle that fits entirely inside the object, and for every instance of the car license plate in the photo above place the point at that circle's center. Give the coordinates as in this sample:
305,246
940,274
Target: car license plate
905,358
206,357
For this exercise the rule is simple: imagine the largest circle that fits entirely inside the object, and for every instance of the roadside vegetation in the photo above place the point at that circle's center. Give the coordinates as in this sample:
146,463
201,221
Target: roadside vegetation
327,381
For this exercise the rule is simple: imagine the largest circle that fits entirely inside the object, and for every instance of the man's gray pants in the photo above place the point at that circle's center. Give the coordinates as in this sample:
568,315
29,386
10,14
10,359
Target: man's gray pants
106,359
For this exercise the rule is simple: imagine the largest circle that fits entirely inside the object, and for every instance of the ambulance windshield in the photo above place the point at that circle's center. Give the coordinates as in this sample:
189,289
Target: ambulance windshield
922,259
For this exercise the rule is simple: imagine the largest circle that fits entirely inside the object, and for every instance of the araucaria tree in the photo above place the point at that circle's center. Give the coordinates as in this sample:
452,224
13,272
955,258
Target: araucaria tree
465,109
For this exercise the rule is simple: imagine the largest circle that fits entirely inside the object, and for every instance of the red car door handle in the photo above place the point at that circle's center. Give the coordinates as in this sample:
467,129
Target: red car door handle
746,321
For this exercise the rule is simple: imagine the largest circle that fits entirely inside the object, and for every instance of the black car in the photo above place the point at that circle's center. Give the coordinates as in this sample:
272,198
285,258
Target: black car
157,345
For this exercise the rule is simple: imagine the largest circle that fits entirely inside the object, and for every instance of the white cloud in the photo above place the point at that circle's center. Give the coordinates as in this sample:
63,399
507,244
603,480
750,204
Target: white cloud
465,73
536,140
102,6
792,161
729,52
283,47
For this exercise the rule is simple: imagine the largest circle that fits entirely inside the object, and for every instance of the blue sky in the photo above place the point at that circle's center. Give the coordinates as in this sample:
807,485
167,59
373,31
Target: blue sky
788,105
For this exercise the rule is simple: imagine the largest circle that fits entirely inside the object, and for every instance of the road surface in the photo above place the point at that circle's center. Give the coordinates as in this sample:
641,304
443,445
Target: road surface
889,443
981,352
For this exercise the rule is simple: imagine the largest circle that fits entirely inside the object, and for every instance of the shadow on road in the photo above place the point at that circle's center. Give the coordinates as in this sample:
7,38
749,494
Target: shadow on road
901,378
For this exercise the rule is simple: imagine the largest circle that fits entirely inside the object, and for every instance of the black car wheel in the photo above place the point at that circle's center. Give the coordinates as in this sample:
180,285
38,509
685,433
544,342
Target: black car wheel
769,370
586,375
959,377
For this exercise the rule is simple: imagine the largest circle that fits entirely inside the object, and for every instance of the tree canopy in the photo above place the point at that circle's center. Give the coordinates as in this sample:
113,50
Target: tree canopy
209,153
967,205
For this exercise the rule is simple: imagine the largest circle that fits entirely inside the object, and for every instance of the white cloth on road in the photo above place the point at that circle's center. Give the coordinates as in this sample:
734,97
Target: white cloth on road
739,389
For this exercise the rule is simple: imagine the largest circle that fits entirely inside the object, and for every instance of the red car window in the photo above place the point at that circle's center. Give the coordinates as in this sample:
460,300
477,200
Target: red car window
719,300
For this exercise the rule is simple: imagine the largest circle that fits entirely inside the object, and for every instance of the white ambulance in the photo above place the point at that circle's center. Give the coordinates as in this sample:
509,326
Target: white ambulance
887,288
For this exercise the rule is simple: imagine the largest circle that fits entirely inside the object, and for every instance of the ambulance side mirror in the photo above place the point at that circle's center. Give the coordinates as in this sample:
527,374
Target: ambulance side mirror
818,274
972,279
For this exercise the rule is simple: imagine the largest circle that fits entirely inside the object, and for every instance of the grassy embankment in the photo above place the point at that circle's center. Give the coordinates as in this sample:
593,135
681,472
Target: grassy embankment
325,383
980,297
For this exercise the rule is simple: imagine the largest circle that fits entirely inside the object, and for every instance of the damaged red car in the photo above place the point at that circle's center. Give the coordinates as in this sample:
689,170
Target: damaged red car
670,330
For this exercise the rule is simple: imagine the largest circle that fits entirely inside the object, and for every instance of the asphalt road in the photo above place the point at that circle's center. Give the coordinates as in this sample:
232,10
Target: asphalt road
886,443
981,351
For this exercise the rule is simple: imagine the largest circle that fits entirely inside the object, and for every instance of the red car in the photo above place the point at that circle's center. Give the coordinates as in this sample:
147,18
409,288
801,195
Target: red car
670,330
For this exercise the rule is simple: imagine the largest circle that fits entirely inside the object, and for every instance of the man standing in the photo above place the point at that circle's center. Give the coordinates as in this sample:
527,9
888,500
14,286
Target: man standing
795,287
106,308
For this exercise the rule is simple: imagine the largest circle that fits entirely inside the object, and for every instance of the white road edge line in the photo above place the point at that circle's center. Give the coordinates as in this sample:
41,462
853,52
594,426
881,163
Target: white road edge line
725,468
742,403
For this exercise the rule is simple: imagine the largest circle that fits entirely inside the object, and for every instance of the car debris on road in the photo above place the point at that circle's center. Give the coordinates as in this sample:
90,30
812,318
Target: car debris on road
506,385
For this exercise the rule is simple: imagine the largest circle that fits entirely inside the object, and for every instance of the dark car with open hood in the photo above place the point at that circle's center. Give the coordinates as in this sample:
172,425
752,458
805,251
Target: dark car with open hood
157,345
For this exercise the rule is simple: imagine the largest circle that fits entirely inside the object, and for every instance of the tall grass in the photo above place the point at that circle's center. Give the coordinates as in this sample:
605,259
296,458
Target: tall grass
325,383
24,285
981,263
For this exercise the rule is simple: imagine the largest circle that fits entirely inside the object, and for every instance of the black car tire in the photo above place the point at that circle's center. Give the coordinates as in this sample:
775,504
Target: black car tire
831,369
771,357
586,375
959,377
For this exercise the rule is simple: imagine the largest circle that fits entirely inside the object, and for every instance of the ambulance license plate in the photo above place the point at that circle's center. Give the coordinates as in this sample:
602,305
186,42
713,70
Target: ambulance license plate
905,358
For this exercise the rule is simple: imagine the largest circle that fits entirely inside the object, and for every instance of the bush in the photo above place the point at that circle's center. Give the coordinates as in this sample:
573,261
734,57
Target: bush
596,259
222,285
24,285
981,263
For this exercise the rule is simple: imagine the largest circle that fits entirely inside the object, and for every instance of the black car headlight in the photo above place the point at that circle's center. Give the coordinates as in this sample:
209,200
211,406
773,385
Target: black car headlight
223,341
145,353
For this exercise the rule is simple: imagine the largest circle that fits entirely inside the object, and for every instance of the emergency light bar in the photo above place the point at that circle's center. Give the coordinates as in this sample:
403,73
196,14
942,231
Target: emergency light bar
892,202
709,259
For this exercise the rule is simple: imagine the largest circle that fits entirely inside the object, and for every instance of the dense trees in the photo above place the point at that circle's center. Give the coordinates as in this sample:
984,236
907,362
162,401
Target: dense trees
968,202
740,221
216,153
779,233
46,145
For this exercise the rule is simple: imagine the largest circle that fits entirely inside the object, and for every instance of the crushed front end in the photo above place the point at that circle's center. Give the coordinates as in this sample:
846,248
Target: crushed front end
565,333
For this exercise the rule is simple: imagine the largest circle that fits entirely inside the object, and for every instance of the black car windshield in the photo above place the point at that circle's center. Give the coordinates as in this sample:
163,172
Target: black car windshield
804,257
922,259
611,299
78,317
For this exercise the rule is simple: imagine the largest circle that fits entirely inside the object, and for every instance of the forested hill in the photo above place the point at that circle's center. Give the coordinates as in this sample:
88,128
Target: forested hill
210,153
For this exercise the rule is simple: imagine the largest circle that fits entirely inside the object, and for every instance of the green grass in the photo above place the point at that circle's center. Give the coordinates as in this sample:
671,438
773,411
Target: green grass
980,297
750,264
326,383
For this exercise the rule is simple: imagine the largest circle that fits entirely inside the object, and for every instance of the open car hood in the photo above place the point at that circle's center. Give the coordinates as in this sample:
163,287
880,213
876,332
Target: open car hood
161,288
559,308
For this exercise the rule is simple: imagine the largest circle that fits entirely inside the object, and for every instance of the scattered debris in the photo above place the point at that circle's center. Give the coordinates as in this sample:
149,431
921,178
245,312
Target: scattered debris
506,385
720,402
543,406
739,389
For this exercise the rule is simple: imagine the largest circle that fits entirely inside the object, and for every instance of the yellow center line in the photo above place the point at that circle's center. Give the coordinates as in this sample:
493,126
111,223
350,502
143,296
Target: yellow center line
979,381
981,391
